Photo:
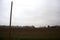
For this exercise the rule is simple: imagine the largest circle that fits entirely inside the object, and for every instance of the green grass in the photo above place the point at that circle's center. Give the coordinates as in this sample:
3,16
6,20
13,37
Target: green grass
30,37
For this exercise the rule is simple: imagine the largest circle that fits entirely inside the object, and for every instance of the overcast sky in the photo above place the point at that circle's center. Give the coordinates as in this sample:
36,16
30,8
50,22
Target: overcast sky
30,12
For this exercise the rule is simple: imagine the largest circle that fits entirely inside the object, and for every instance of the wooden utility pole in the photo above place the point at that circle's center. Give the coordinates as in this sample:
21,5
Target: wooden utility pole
10,20
11,12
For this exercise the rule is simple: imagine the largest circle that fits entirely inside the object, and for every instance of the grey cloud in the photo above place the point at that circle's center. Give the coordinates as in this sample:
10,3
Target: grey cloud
42,12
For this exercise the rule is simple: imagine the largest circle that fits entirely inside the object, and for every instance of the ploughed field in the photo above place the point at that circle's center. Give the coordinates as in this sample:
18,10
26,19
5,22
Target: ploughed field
30,34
